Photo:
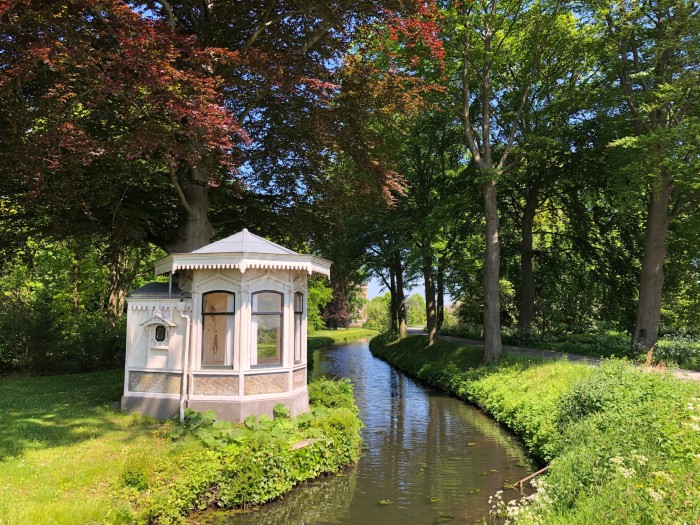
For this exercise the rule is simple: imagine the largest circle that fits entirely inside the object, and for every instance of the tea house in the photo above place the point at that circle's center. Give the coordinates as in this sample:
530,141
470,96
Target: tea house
227,331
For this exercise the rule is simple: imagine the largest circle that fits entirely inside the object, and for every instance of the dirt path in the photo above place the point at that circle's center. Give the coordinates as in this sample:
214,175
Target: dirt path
548,354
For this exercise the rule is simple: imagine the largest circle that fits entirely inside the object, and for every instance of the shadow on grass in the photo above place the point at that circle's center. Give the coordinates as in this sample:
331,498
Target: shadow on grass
45,412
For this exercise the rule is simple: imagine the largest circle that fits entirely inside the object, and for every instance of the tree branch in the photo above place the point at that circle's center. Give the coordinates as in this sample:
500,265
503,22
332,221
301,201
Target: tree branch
685,203
181,194
466,96
168,12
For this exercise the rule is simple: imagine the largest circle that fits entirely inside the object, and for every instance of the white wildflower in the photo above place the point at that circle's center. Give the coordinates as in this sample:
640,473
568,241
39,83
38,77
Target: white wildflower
656,495
642,460
626,472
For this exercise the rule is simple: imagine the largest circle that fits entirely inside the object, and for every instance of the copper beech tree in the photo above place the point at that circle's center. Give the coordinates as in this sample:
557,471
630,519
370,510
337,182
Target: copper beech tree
101,107
126,116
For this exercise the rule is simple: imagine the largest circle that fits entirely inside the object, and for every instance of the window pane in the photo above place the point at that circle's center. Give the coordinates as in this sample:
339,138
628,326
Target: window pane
298,303
297,338
160,333
218,302
267,302
268,339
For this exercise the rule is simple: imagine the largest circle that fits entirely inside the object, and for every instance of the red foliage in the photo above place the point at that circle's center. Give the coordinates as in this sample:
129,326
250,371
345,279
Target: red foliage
87,80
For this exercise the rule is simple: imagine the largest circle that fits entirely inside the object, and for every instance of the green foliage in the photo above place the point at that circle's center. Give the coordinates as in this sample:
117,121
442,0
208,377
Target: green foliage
257,461
53,310
680,349
319,295
623,442
378,313
415,311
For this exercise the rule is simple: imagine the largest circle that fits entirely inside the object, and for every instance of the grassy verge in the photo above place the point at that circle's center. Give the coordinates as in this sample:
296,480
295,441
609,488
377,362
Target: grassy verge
323,338
624,444
65,458
675,350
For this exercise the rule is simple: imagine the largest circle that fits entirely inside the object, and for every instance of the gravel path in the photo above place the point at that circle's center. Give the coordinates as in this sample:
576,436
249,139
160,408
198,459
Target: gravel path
549,354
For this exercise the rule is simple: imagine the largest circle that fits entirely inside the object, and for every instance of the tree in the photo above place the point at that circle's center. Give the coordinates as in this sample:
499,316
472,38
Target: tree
656,64
377,312
500,45
102,112
320,294
415,305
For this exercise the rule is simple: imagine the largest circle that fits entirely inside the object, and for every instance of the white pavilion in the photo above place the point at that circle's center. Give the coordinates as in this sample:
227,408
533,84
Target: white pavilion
226,332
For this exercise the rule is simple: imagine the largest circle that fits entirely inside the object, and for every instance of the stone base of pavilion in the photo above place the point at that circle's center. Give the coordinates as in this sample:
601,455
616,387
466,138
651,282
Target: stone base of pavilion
162,407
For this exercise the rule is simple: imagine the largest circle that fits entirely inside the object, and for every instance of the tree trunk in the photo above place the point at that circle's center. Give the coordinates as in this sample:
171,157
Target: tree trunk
440,293
400,299
75,294
394,309
430,311
646,331
194,228
492,306
527,275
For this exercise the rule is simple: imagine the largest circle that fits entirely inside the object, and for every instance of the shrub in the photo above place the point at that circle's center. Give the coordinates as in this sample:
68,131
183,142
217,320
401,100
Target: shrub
231,465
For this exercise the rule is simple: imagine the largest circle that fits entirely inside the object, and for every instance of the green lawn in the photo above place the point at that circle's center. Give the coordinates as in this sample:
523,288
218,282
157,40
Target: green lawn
62,449
67,459
323,338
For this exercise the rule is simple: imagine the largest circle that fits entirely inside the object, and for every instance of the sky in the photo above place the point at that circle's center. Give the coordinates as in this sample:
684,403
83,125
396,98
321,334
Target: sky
376,287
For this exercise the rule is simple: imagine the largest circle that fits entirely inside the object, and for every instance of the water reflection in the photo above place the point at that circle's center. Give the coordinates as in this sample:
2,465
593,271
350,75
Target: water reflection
425,455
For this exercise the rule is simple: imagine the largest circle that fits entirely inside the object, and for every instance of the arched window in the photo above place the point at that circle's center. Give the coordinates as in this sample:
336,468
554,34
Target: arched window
217,330
266,329
298,312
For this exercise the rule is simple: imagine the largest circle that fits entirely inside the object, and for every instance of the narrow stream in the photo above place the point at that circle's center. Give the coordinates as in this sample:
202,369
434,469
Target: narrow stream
426,456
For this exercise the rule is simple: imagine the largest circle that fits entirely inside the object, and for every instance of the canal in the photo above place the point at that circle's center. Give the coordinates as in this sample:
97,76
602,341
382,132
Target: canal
427,457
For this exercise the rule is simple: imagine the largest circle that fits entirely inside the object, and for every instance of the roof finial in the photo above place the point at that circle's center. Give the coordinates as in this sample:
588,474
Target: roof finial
245,240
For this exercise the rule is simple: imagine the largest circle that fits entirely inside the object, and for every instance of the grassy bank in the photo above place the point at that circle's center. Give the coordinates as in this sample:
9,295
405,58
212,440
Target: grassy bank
323,338
624,444
673,350
65,458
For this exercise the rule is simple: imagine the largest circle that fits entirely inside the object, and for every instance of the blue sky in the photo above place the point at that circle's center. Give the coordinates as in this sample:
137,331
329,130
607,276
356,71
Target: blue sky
376,287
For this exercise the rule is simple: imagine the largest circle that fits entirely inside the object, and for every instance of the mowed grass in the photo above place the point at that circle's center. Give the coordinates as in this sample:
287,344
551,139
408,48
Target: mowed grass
63,452
323,338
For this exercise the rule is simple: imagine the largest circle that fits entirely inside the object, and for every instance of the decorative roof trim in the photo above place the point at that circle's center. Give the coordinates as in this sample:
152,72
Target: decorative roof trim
157,318
242,262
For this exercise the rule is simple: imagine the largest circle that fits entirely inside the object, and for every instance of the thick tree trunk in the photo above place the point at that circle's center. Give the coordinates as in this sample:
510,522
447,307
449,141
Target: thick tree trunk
400,299
492,262
527,275
122,270
115,305
440,294
429,279
394,309
194,228
646,331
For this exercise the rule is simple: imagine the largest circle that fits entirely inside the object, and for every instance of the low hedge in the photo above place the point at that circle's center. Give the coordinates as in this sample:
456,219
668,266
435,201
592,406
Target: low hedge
624,444
220,464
